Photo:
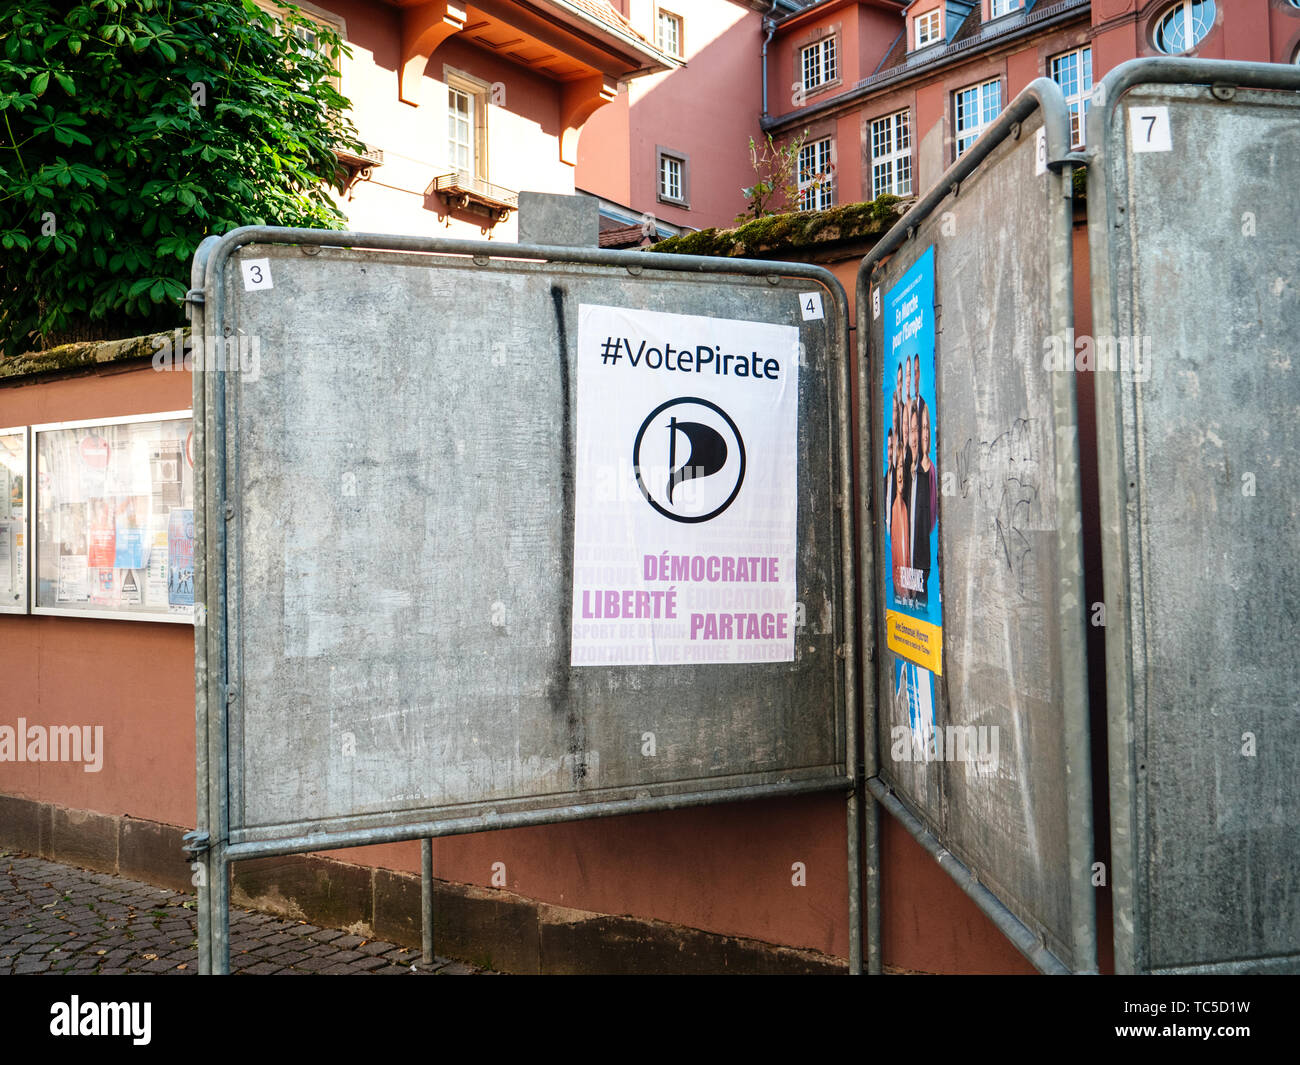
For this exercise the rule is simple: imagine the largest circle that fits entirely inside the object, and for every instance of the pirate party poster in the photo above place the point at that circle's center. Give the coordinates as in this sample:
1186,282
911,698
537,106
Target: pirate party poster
685,490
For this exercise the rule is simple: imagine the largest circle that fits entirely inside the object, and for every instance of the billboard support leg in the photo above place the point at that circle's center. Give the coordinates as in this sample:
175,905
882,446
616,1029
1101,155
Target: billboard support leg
216,914
205,916
212,880
855,881
426,900
874,966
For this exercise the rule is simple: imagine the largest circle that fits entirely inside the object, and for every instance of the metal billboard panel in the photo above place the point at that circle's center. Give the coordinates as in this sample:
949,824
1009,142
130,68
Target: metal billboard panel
1013,678
389,526
1193,241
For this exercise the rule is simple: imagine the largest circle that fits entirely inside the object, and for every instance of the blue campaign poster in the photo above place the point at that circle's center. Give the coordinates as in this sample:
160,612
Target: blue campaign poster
910,475
916,685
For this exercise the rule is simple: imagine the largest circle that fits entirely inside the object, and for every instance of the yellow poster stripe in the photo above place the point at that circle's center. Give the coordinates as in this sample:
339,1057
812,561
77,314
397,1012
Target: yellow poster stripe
917,641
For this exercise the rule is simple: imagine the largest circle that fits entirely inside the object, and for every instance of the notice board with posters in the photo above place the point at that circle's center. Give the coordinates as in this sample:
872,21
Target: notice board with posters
497,537
113,518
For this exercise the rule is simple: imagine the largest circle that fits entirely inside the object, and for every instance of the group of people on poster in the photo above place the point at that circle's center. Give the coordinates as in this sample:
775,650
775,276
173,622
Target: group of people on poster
911,486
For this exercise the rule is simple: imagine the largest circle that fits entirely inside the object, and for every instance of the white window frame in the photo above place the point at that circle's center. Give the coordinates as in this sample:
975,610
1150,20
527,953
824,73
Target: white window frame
891,154
318,15
1076,101
819,63
478,93
665,18
455,143
670,178
932,23
816,175
1189,9
965,136
998,8
670,164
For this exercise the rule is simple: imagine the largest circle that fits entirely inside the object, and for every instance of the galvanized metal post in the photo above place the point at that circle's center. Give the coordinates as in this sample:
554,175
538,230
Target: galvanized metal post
875,965
212,693
426,900
219,896
853,828
852,718
865,717
205,796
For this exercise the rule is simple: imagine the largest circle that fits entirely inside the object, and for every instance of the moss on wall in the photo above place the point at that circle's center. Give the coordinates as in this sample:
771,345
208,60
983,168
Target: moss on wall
779,233
87,353
788,232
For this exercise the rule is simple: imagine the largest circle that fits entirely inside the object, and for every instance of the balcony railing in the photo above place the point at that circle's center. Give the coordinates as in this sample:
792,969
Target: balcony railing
462,191
357,166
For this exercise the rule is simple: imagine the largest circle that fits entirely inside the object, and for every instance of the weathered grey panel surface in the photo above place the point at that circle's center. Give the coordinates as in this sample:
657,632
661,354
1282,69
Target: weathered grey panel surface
1009,559
399,561
1202,562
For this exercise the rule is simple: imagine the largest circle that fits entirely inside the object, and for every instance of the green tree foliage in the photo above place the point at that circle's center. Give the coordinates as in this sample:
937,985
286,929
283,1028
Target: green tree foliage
132,129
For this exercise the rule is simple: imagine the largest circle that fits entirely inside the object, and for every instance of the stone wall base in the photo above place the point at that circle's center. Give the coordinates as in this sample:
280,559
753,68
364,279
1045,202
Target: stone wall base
490,928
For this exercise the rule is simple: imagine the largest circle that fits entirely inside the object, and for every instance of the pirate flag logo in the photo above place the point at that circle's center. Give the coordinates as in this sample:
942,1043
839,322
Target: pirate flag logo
689,459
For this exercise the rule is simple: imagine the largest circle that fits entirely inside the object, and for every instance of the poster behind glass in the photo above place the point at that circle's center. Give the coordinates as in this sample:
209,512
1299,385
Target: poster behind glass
13,521
114,518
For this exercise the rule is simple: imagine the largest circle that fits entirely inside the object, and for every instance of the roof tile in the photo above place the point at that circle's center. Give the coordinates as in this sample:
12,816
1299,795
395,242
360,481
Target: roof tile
603,11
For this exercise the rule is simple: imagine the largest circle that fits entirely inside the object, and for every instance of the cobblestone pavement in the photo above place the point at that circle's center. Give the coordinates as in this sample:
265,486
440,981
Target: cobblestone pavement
59,919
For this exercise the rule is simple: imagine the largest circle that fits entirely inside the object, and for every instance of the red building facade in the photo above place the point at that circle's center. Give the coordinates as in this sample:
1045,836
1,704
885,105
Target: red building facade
913,84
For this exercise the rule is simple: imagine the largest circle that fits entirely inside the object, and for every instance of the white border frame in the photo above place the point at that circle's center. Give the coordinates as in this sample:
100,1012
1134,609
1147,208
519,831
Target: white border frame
823,44
26,434
895,156
33,561
959,135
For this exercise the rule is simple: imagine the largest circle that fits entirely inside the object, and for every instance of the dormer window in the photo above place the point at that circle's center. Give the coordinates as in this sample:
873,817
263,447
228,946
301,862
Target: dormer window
927,28
819,64
668,33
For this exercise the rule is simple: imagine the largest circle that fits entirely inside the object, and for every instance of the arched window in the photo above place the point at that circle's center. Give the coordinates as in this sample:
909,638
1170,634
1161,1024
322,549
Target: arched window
1183,26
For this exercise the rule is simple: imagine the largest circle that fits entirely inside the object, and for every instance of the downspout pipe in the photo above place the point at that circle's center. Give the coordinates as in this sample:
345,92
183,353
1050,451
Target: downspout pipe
769,24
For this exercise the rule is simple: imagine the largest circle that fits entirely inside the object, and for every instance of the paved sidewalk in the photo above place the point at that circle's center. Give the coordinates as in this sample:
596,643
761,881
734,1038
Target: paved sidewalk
60,919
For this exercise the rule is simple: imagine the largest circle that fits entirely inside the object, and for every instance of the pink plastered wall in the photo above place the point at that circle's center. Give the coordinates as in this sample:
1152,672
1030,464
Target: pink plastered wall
523,129
705,112
134,679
